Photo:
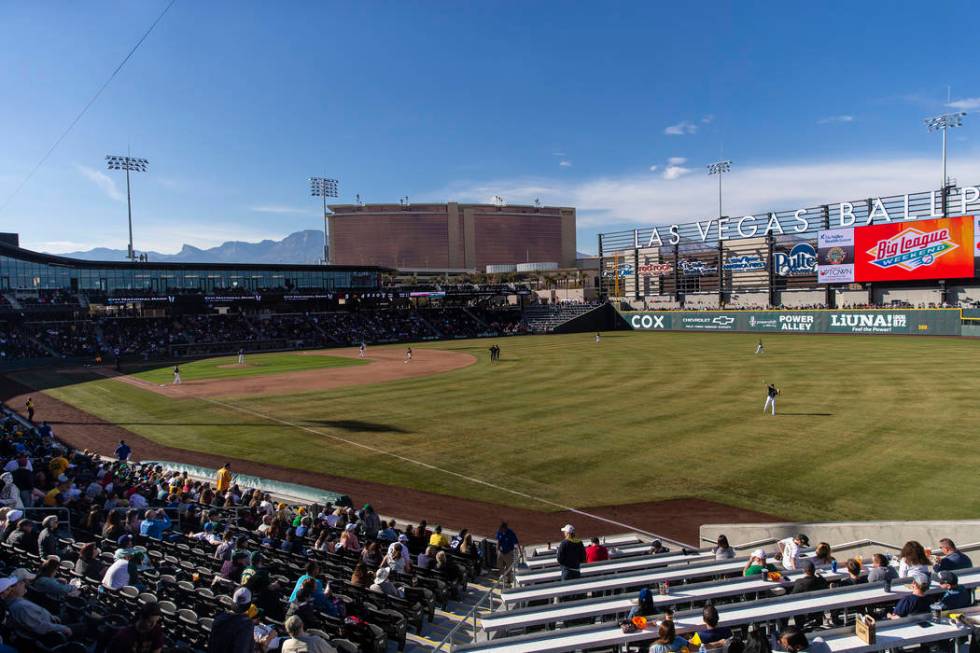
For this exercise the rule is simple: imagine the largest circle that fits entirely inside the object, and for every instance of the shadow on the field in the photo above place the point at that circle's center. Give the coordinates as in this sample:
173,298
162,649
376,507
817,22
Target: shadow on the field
357,425
809,414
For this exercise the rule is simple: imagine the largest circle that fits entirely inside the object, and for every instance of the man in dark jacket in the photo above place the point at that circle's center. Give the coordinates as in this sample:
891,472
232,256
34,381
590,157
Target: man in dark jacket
231,632
810,582
571,554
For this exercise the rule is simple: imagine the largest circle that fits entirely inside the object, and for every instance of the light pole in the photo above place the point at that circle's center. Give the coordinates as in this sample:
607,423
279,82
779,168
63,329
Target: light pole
719,168
944,123
324,187
129,164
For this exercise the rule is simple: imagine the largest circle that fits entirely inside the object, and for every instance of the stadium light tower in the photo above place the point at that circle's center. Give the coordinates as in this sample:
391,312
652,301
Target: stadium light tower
719,168
944,123
129,164
324,187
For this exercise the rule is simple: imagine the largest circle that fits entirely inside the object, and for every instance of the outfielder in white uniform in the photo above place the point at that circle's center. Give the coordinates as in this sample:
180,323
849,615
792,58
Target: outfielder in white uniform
771,392
241,356
597,338
759,349
176,375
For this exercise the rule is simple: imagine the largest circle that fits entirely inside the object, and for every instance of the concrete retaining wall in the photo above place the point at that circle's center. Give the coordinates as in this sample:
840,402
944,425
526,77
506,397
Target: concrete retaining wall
893,533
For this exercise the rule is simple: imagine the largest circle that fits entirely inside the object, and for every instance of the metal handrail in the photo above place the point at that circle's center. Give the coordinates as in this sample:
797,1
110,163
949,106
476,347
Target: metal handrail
58,509
488,596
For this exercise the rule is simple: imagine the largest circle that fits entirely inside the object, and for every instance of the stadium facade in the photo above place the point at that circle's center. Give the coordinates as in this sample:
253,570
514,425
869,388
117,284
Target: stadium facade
917,249
451,237
25,270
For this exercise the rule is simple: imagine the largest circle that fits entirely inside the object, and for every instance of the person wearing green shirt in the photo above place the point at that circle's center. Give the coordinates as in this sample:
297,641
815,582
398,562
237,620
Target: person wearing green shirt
757,564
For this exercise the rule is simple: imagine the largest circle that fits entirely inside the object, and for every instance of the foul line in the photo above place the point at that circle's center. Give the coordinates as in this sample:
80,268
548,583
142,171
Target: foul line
429,466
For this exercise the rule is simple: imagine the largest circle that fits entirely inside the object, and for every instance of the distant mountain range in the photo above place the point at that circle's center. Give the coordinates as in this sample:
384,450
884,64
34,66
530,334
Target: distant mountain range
299,247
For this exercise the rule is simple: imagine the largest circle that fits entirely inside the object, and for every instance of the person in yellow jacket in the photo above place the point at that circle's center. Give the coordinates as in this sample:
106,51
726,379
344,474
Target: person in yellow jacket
223,480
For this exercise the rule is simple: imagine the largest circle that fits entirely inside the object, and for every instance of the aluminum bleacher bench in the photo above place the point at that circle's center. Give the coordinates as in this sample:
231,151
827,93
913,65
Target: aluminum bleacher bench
735,614
620,604
615,566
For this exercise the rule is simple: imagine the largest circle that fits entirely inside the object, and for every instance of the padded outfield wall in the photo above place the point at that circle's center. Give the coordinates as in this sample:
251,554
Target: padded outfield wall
923,322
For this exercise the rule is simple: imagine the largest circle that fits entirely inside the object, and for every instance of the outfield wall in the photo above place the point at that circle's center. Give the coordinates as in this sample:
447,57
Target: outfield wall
926,322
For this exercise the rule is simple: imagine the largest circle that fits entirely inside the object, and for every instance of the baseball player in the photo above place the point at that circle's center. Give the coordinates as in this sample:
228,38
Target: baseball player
759,349
176,375
241,356
408,355
771,392
597,338
362,350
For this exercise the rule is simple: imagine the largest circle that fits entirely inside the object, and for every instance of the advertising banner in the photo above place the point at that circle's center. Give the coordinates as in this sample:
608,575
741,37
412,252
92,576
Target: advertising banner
835,256
943,248
942,322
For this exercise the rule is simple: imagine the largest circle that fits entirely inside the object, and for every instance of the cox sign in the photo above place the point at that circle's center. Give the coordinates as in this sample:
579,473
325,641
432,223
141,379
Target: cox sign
647,322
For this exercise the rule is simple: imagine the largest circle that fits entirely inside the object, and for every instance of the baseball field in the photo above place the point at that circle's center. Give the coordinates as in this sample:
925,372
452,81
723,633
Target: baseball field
866,427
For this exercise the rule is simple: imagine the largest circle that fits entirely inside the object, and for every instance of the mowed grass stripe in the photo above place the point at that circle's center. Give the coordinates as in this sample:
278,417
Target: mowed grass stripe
865,424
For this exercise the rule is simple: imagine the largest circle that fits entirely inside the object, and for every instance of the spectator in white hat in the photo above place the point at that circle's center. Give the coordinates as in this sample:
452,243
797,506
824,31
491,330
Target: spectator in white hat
571,554
27,614
757,564
383,585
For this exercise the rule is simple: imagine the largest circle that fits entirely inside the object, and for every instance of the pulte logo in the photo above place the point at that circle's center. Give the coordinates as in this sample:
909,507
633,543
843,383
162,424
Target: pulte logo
802,259
912,249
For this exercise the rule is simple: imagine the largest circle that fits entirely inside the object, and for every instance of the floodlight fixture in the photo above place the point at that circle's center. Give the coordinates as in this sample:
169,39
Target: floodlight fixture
129,164
324,187
719,168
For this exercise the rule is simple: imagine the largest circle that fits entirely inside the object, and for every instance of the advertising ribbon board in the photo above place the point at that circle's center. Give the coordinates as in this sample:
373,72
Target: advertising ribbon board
944,322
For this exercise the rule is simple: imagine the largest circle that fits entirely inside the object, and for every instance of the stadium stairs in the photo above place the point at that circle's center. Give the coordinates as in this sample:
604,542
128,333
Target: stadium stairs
571,318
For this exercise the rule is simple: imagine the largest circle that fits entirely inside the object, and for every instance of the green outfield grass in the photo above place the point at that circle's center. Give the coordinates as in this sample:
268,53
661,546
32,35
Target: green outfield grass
869,427
227,367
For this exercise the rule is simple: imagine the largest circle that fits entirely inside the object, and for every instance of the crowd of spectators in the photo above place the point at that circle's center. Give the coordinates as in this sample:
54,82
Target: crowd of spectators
128,553
111,338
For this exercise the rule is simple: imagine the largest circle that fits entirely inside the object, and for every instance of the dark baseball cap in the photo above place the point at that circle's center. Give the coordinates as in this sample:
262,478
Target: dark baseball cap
948,577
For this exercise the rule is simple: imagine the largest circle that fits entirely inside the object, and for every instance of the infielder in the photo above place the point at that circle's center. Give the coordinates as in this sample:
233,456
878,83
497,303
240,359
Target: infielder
241,356
771,392
176,375
408,355
759,349
362,350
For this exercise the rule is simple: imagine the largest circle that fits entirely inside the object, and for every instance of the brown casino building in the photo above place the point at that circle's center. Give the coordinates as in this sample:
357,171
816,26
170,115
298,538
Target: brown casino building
453,236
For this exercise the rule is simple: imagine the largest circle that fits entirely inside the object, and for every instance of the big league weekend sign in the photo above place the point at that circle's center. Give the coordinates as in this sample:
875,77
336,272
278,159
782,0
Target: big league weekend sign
945,248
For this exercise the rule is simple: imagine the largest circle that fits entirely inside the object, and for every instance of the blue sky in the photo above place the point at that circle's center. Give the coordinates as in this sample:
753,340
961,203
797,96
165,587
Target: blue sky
614,108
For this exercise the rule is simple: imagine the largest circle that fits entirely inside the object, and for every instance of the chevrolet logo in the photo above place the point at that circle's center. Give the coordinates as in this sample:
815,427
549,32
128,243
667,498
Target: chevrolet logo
723,320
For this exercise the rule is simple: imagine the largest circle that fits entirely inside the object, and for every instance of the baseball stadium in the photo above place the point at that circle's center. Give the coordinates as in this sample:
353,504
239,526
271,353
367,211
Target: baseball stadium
638,417
547,406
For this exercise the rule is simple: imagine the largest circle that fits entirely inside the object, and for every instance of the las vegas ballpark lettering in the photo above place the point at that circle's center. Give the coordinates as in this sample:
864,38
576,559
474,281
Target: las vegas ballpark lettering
943,322
841,216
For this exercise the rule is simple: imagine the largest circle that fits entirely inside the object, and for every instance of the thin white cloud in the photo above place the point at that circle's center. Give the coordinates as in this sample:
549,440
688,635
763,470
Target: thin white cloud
708,119
557,154
676,160
835,120
965,104
565,163
681,128
630,200
654,168
673,172
279,209
104,182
